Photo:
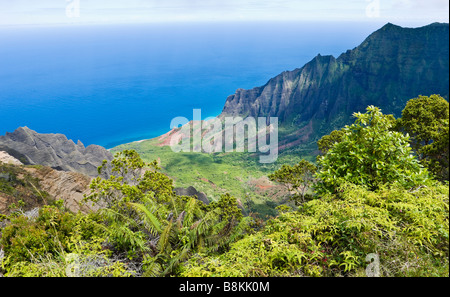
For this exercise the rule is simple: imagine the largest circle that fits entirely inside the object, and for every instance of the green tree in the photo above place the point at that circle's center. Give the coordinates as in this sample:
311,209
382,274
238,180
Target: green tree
426,120
156,227
297,179
370,154
131,181
328,141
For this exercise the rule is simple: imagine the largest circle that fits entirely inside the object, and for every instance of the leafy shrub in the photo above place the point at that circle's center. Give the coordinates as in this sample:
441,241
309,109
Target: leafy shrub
147,220
426,120
331,236
370,154
48,237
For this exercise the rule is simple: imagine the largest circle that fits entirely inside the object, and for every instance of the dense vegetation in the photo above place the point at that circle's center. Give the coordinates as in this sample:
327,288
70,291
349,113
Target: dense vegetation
374,190
218,173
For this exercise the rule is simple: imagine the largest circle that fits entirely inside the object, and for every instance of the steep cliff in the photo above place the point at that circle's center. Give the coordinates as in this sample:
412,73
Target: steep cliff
391,66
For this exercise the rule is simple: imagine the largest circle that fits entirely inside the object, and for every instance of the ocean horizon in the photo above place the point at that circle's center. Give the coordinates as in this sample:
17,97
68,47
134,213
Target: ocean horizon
115,84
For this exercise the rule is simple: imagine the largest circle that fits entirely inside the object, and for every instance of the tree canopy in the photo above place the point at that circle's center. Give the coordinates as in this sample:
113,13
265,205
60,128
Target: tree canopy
297,179
426,120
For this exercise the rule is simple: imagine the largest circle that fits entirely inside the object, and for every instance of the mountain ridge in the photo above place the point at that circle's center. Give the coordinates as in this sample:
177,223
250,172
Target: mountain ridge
53,150
391,66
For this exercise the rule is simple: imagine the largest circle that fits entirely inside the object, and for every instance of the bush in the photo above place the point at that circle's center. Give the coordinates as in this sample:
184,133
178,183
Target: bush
426,120
332,236
370,154
48,238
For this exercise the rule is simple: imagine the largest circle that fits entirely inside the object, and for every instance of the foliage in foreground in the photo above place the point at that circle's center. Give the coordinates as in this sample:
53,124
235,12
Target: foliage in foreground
331,236
370,154
372,197
58,243
144,228
426,120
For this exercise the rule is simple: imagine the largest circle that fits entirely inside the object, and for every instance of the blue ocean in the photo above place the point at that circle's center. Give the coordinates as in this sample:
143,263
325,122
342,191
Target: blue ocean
113,84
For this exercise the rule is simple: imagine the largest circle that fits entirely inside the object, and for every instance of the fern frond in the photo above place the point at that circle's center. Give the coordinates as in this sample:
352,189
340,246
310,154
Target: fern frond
239,230
114,216
190,211
151,221
175,261
152,268
180,219
163,243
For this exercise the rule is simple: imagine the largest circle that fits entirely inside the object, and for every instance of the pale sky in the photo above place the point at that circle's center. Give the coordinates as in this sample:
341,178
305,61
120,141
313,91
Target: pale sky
43,12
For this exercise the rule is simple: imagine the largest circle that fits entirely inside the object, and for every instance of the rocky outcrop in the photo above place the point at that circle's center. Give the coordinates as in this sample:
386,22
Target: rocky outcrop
53,150
68,186
8,159
191,191
391,66
38,185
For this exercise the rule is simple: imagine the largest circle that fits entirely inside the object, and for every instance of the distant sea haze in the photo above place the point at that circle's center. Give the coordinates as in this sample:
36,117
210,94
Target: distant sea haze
109,85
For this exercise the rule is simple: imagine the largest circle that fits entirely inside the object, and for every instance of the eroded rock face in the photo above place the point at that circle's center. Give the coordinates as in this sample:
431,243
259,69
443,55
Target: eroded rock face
31,182
68,186
53,150
8,159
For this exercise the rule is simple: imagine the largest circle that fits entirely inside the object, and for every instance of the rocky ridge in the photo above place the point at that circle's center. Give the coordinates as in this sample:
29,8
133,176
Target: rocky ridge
53,150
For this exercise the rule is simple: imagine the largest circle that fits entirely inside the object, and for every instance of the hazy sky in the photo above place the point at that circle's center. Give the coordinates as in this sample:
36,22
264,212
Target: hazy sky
401,12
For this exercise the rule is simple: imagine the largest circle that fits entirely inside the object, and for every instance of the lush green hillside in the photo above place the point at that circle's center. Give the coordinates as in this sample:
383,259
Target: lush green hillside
239,174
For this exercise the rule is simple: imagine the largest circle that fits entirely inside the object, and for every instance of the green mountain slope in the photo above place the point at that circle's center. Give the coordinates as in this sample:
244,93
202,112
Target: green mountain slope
391,66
